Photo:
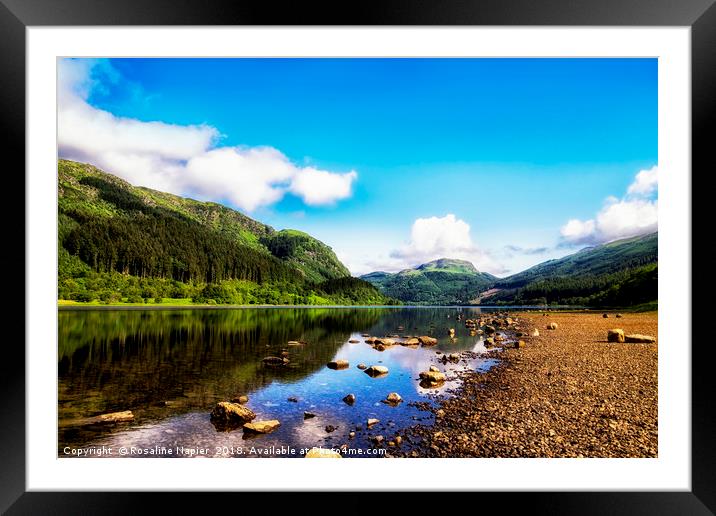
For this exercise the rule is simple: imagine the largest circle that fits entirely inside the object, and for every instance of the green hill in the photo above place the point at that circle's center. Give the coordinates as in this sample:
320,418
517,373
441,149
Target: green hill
620,273
440,282
118,242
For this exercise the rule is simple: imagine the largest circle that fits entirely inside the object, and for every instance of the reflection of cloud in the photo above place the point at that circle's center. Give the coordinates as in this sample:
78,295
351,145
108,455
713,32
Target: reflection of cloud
181,159
635,214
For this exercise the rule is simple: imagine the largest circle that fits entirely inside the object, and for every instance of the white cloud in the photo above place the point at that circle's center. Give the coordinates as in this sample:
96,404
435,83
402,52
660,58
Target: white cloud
635,214
438,237
645,182
181,159
318,187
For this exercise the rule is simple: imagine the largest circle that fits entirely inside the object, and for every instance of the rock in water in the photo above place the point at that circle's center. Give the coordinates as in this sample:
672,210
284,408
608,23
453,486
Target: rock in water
227,413
432,377
552,326
412,341
615,335
292,399
393,399
427,341
434,369
350,399
293,343
535,332
519,344
372,422
262,427
338,364
240,399
330,428
376,370
361,366
308,415
645,339
103,419
322,453
353,341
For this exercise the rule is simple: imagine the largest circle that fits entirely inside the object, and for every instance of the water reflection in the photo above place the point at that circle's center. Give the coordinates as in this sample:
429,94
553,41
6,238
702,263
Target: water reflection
171,367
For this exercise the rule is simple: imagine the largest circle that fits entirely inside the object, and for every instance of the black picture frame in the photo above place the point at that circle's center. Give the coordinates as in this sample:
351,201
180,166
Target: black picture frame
699,15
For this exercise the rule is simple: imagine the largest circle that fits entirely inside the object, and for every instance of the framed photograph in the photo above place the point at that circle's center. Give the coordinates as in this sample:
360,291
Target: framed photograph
427,237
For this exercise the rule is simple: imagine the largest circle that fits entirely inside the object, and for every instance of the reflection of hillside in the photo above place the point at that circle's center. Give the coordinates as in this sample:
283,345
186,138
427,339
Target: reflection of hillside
129,360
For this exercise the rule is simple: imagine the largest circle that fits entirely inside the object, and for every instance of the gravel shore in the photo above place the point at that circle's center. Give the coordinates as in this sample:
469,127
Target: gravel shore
566,393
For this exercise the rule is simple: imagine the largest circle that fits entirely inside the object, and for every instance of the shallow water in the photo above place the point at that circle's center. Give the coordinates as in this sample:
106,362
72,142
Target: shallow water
170,367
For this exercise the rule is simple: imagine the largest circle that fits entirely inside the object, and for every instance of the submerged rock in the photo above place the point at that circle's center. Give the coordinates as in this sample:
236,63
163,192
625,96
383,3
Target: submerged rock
331,428
262,427
338,364
275,361
372,421
616,335
292,399
308,415
350,399
104,419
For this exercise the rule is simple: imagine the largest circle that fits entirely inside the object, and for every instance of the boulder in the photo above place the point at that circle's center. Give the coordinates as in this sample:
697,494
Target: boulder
385,341
376,370
338,364
228,413
552,326
262,427
636,337
427,341
412,341
432,377
393,399
379,347
434,369
349,399
322,453
615,335
361,366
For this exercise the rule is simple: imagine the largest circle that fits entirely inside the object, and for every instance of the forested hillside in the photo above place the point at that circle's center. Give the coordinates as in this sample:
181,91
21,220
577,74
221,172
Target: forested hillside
120,243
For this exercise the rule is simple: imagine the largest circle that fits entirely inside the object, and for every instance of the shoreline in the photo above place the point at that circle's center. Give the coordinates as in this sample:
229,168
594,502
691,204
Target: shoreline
567,393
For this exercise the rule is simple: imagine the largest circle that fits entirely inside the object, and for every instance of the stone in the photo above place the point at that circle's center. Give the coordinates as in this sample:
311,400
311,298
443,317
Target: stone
412,341
350,399
519,344
451,331
393,399
330,428
432,377
338,364
372,422
618,316
427,341
434,369
292,399
379,347
112,417
262,427
353,341
274,360
240,399
616,335
229,413
489,330
636,337
308,415
605,316
535,332
371,340
284,353
322,453
293,343
385,341
397,439
351,434
552,326
376,370
377,439
361,366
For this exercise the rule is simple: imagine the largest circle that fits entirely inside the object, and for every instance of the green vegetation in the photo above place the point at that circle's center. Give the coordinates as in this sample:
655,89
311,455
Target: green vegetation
622,273
124,244
440,282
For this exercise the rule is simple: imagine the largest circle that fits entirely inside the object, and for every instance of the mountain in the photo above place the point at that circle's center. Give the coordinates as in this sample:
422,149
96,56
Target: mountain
118,241
440,282
620,273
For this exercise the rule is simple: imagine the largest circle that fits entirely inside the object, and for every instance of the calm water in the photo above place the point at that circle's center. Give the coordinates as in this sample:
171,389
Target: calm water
170,367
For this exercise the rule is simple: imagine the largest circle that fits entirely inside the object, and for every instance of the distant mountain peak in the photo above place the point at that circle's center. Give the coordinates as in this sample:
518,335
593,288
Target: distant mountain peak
448,264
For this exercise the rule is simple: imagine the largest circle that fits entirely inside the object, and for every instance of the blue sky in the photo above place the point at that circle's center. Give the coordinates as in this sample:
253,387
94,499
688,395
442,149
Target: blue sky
506,162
